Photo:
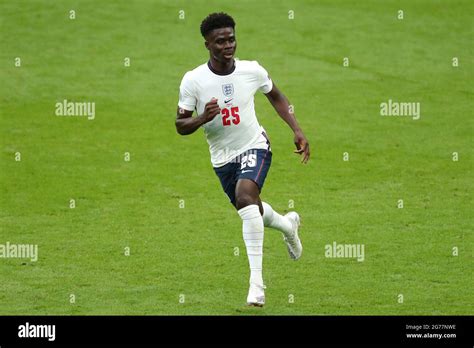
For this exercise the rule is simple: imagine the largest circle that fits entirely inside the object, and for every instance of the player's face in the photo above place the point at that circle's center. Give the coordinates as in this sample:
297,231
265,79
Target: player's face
222,44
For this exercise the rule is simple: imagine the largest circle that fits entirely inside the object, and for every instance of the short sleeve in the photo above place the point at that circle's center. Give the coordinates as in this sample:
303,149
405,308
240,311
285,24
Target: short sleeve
187,97
265,83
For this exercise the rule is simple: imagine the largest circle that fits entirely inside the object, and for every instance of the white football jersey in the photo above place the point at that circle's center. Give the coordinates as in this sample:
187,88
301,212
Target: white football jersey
236,129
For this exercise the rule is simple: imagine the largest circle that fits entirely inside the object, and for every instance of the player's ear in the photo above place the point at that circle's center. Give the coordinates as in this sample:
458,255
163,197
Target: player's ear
206,43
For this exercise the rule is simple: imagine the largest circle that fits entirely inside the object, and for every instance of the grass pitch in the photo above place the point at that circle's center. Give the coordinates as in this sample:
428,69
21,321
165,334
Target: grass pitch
183,260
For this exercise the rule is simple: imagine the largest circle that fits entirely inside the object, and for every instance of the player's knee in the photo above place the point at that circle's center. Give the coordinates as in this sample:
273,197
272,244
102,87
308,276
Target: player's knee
244,200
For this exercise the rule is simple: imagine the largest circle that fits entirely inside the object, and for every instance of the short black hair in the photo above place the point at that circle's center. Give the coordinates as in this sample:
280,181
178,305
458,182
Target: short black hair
216,21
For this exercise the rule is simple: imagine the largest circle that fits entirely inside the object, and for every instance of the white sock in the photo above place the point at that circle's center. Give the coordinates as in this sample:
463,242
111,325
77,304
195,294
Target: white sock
252,230
274,220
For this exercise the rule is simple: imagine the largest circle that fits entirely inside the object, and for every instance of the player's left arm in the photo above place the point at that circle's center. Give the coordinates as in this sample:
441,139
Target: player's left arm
285,110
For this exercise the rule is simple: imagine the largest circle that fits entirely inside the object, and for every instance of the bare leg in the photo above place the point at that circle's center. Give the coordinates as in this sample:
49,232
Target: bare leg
247,193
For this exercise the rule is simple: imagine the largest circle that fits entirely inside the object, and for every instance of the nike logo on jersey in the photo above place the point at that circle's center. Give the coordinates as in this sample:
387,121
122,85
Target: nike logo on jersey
246,171
228,100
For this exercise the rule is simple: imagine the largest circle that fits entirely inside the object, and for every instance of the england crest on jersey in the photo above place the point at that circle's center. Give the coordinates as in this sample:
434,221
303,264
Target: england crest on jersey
228,89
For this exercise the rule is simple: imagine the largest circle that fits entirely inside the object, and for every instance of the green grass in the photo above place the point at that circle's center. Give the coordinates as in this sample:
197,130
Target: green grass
190,251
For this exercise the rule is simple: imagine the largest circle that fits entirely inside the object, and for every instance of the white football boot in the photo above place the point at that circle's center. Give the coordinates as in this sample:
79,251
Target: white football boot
256,296
293,242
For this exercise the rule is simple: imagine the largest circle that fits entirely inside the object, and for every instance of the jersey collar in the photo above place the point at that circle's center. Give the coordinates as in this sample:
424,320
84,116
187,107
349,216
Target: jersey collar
219,73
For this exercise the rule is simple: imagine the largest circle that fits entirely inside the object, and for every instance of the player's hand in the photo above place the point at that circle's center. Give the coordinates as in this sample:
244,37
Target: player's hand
211,110
302,146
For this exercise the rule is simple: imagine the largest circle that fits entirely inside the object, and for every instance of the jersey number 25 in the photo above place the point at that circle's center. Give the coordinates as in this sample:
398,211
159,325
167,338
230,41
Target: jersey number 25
226,113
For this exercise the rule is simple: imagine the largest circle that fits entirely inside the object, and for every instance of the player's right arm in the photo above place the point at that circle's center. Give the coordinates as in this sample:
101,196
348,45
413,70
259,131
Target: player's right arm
186,124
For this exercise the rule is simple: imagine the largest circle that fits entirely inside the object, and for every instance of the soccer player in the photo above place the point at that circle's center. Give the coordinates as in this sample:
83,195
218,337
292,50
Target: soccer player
221,92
